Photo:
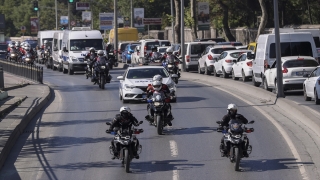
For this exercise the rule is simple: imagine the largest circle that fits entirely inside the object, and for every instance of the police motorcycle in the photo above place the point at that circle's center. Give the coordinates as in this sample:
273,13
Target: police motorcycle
102,75
236,141
161,108
28,58
125,139
112,60
172,66
13,55
47,57
89,60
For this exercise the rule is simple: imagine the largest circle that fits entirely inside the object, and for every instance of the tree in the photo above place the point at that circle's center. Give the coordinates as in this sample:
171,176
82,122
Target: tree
178,21
193,7
264,18
225,20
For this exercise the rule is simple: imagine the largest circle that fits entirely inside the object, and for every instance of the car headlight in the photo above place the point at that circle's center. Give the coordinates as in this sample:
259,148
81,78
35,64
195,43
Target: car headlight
74,59
129,86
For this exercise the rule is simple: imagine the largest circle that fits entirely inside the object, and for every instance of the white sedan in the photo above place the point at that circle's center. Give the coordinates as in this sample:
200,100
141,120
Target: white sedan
242,67
134,82
311,86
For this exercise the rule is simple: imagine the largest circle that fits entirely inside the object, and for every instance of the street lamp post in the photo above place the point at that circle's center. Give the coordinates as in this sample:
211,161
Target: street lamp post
116,28
278,50
182,37
172,23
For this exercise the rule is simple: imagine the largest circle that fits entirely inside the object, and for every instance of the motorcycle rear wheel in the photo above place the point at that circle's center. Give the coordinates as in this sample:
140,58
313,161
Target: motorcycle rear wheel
159,125
103,82
237,158
126,160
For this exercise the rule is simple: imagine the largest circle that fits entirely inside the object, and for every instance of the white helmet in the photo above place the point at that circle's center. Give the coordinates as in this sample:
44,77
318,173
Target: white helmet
45,42
156,85
125,111
169,50
27,48
157,78
232,108
100,53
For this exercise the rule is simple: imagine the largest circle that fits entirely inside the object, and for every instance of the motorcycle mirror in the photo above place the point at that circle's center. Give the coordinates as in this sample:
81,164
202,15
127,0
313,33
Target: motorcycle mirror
251,122
218,122
140,122
108,123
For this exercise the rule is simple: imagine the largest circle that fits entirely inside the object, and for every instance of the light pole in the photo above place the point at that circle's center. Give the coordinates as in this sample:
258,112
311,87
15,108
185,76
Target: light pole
172,23
278,50
56,9
116,27
131,18
182,37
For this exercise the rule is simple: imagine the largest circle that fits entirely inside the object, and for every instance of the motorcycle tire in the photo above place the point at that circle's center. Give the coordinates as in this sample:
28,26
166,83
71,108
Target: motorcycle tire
103,82
237,158
127,160
176,80
159,125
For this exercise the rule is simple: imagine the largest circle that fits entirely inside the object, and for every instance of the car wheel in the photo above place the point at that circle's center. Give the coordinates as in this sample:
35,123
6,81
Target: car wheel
65,71
265,85
244,78
120,97
215,72
224,74
316,98
70,72
233,76
306,98
275,87
199,69
206,72
255,83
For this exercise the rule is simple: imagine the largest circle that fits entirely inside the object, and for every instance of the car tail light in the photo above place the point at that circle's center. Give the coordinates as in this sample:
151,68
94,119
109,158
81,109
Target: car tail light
300,59
228,61
210,57
145,48
249,63
187,58
285,70
145,52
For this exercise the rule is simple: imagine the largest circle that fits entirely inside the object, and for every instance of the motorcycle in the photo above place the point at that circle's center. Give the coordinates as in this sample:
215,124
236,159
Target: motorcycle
112,60
47,58
172,67
102,69
28,58
236,135
13,55
159,104
125,139
89,61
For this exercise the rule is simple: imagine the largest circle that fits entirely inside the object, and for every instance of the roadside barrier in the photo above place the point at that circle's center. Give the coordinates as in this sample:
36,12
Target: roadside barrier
32,72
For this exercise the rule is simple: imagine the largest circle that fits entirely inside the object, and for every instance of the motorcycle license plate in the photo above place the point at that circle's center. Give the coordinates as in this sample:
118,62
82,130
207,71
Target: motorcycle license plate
103,67
170,66
144,96
110,53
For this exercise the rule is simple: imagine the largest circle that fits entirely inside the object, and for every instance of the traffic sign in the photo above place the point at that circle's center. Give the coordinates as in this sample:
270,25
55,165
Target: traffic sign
152,21
23,29
73,23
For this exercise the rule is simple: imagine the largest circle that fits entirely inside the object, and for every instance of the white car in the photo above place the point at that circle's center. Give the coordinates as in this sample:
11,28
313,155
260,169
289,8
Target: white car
294,70
311,86
134,82
224,62
206,62
242,67
162,49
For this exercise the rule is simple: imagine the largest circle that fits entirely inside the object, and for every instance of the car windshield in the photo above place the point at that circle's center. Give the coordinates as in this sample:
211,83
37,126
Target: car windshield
162,50
300,63
132,46
146,73
33,44
199,48
292,49
220,50
149,45
236,55
85,44
123,46
3,46
166,43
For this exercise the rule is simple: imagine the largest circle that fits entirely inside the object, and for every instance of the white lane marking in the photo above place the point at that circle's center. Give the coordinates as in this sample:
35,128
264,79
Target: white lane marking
175,175
173,148
280,129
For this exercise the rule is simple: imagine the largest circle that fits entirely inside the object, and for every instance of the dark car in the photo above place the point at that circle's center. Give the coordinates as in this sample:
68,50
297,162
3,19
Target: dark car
3,51
126,54
217,40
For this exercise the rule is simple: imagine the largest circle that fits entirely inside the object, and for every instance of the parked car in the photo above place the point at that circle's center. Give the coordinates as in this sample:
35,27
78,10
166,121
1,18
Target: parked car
135,55
242,67
162,49
134,82
3,50
224,62
217,40
126,54
294,69
233,43
206,62
311,86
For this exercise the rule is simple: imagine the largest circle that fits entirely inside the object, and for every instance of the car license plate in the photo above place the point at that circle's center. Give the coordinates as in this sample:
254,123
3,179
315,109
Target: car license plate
85,61
194,59
301,73
144,96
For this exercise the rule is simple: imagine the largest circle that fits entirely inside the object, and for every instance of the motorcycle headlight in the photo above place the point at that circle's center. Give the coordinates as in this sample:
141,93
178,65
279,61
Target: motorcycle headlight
103,67
27,59
129,86
157,103
13,55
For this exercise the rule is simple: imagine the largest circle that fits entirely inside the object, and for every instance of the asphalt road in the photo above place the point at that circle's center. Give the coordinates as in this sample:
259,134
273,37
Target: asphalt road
67,140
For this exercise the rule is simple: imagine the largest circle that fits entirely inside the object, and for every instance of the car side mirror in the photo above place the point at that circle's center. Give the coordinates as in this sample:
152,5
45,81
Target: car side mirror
120,77
65,49
235,61
306,75
251,122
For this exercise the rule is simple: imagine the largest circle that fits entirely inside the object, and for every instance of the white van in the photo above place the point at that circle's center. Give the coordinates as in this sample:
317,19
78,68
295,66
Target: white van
292,44
42,36
76,44
145,49
314,32
57,51
193,50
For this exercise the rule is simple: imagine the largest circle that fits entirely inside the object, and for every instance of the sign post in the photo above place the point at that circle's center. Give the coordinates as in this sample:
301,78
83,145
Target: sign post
152,21
106,21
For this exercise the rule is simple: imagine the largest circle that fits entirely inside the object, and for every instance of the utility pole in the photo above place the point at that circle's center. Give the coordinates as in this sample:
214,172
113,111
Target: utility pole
55,1
172,23
69,16
182,37
116,27
131,18
278,50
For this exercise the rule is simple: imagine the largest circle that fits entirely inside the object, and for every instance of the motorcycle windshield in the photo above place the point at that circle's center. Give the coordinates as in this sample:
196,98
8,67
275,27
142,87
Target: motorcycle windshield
156,55
158,96
235,126
102,60
170,59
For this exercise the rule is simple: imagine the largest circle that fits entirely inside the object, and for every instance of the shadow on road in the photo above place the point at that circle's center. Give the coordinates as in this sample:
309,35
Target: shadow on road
189,99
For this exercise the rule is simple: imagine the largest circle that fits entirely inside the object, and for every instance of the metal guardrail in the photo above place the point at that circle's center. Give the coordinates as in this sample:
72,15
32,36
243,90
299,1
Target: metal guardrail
31,72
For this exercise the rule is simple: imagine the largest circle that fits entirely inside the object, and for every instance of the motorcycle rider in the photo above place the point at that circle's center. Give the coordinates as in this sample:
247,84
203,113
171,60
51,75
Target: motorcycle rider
155,55
44,47
125,120
92,55
232,110
101,59
170,58
158,86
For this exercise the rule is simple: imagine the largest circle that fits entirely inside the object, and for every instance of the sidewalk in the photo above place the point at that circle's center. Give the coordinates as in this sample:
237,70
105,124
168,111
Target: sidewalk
30,97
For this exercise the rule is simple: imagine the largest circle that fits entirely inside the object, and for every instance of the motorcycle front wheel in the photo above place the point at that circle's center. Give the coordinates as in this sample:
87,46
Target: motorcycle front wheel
236,158
175,80
127,160
103,81
159,125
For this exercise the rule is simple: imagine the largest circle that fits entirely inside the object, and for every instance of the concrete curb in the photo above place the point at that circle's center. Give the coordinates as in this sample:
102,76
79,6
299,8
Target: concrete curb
21,125
3,95
11,104
15,87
